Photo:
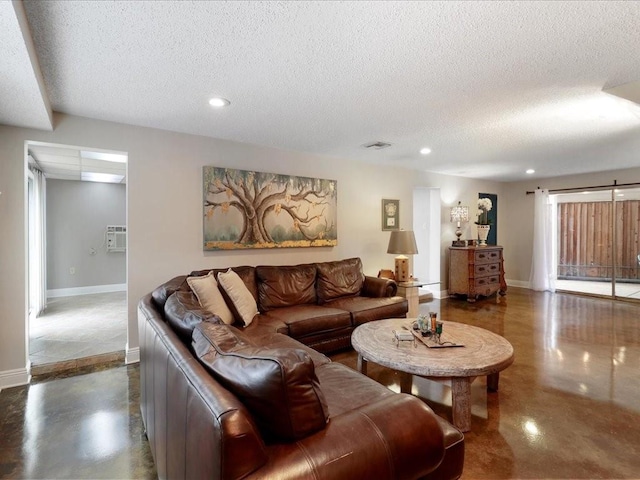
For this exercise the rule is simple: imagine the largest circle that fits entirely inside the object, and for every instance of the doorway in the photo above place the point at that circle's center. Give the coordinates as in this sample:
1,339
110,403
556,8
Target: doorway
426,228
77,282
598,243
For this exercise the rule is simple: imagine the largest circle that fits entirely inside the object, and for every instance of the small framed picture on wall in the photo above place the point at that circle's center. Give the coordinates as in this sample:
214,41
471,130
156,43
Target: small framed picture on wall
390,214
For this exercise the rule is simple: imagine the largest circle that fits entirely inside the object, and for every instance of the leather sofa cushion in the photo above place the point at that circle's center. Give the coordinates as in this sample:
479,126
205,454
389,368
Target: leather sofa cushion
303,320
284,286
164,291
339,279
183,313
278,340
278,386
346,389
366,309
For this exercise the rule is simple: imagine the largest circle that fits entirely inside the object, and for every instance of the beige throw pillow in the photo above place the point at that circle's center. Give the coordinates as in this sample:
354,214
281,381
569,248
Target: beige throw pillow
240,295
209,296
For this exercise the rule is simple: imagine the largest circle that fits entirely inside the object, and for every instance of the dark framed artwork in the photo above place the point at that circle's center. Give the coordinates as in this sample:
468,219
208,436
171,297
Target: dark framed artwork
390,214
245,209
492,215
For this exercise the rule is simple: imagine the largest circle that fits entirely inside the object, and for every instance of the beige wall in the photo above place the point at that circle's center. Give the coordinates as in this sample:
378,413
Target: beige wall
518,218
164,212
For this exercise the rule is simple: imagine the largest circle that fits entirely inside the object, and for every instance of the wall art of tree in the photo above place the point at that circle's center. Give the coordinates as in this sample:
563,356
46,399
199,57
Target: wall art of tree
244,209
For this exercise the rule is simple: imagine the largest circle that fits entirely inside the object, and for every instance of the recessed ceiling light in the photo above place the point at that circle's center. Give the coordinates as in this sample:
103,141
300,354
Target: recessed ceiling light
219,102
425,151
530,171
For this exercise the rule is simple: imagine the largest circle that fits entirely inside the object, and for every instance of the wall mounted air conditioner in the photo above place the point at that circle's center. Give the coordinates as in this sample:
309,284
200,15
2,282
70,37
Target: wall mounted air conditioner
116,238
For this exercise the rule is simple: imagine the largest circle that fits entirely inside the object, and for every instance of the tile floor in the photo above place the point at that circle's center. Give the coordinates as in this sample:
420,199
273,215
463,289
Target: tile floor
78,327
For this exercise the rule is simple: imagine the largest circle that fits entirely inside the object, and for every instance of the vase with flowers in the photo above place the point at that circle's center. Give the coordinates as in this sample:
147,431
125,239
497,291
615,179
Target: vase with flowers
483,223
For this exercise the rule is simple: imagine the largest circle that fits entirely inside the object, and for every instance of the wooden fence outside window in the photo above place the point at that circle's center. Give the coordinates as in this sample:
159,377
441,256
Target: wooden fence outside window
585,240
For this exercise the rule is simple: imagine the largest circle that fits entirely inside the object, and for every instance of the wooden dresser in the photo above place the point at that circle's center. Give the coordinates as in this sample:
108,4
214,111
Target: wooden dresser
475,271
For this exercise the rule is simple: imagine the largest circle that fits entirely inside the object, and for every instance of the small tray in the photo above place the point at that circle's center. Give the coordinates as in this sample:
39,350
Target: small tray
431,344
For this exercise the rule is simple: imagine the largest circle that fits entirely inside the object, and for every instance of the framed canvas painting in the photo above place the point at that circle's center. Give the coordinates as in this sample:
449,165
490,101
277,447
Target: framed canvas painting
245,209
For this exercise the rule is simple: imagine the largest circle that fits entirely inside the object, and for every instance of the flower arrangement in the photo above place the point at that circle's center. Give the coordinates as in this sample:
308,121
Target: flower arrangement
484,205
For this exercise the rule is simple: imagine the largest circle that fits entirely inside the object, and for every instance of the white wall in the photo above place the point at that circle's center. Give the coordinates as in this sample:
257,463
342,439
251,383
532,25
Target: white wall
77,216
518,217
164,211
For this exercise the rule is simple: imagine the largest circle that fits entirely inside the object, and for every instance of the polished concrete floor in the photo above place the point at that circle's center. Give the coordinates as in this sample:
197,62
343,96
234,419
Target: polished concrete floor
567,408
85,426
73,330
623,290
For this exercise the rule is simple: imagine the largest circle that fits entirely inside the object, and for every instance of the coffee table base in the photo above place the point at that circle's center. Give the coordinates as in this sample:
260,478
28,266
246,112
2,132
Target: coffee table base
460,392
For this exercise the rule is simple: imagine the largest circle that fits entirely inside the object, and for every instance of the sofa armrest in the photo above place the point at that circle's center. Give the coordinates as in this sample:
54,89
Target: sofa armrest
379,287
397,437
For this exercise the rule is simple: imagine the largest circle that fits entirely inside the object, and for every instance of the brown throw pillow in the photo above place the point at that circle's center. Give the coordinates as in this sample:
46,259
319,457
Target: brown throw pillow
278,386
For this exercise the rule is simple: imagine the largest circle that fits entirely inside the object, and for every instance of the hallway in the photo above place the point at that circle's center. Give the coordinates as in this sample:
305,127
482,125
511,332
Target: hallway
74,329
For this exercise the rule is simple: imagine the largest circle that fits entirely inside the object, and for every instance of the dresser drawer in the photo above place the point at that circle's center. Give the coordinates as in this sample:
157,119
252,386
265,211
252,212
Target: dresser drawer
487,256
486,281
484,269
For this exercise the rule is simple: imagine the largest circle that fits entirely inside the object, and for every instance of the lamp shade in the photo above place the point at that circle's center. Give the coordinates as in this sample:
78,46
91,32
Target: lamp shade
459,213
403,242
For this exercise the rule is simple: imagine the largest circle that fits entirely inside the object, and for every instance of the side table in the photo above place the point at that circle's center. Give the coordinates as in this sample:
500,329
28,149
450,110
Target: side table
410,291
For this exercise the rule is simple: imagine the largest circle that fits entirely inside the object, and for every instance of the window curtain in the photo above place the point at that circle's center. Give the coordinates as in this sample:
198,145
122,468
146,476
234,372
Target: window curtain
543,261
37,245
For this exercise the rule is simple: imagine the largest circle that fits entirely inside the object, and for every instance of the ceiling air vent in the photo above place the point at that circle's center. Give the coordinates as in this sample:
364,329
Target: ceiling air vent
377,145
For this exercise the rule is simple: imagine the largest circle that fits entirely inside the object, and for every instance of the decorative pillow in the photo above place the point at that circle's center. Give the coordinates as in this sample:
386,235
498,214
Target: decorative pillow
209,296
278,386
339,279
239,295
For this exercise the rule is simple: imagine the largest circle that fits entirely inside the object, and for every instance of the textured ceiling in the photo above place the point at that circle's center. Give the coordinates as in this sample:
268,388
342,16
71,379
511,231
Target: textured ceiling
492,88
23,100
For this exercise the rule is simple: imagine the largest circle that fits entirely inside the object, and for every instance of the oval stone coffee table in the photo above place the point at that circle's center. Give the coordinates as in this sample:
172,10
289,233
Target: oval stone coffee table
484,354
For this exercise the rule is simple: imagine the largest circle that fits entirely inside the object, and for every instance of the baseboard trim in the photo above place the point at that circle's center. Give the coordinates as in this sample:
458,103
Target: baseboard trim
510,283
14,378
132,355
69,292
518,283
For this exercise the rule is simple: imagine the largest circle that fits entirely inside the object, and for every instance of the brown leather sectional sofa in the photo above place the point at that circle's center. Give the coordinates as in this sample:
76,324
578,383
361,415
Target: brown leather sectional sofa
221,402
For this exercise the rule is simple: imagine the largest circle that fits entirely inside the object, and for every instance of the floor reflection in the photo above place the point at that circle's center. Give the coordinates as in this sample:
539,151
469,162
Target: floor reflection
84,426
567,407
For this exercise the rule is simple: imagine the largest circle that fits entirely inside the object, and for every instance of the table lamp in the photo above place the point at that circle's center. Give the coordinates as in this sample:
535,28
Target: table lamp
459,214
404,243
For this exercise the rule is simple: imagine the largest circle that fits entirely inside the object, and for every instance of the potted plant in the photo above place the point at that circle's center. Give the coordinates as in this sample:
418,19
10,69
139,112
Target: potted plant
483,223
